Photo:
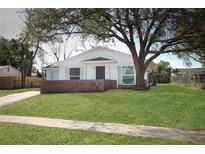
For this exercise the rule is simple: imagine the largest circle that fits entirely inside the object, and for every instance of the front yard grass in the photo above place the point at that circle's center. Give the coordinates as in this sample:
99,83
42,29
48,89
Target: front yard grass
13,91
165,105
28,134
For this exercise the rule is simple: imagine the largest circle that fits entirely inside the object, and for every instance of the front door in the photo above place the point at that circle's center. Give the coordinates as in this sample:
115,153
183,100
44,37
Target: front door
100,72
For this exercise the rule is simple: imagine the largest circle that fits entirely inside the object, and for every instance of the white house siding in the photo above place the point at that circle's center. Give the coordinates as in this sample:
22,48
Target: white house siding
82,75
119,75
61,73
48,74
90,72
67,73
113,71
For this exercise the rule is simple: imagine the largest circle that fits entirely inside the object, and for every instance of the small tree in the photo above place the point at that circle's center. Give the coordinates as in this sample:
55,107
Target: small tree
26,51
62,48
10,53
17,53
162,72
29,41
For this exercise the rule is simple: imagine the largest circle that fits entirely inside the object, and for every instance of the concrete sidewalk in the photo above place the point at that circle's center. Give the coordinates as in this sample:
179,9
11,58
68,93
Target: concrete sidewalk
17,97
123,129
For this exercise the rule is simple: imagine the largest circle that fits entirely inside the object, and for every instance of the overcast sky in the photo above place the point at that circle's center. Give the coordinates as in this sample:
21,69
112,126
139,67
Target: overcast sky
11,25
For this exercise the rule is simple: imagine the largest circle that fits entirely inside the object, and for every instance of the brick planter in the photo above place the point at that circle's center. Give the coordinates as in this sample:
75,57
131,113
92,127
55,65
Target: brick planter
55,86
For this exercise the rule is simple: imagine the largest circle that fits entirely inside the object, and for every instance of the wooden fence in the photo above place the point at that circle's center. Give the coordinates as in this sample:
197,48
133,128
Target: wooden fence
33,82
193,81
15,82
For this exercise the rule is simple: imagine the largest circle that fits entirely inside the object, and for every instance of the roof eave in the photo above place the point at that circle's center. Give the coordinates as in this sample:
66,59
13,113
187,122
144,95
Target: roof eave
98,61
51,67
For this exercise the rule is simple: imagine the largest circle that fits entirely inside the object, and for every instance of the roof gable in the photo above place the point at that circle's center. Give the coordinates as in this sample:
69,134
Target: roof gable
96,49
89,52
12,71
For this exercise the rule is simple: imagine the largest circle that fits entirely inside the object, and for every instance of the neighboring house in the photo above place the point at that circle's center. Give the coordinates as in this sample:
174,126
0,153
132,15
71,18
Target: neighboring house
9,70
94,64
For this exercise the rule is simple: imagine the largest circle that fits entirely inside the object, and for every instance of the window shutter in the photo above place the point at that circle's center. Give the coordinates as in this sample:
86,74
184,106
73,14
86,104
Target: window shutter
67,73
81,73
119,75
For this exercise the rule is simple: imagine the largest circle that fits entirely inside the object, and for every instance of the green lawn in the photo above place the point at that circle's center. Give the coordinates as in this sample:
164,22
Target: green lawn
28,134
13,91
164,105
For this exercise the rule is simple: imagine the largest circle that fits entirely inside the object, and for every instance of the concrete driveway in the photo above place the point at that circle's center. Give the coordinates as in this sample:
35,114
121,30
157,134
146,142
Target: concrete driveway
17,97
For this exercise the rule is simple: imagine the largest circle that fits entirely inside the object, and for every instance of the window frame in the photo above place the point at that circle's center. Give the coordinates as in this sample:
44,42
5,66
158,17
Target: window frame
130,75
74,76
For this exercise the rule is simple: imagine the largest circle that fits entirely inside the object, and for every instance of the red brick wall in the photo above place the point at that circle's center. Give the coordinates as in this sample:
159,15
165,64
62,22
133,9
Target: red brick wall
110,84
126,86
51,86
130,86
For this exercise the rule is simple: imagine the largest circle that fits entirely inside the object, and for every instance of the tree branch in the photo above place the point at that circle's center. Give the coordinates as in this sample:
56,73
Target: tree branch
150,26
31,62
200,61
161,22
116,36
172,51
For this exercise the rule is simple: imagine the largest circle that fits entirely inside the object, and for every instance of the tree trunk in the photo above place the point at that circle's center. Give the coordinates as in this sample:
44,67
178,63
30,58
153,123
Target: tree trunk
29,71
23,75
140,82
23,79
140,69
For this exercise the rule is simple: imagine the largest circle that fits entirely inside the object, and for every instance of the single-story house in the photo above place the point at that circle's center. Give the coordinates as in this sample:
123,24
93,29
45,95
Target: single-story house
9,77
9,70
95,64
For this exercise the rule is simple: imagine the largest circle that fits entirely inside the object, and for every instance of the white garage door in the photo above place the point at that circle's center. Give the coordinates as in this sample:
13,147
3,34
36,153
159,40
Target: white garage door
55,75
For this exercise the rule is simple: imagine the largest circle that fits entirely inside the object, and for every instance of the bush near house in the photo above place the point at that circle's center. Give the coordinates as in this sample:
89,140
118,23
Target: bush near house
161,73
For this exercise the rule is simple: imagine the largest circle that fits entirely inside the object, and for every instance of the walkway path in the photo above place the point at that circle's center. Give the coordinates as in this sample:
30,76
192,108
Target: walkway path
17,97
131,130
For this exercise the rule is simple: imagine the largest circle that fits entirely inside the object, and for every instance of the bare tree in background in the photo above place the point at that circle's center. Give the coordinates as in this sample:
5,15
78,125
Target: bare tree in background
63,48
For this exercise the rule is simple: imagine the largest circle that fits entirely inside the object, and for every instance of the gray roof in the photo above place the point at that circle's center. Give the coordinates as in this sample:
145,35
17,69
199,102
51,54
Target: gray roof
52,66
1,67
98,59
6,66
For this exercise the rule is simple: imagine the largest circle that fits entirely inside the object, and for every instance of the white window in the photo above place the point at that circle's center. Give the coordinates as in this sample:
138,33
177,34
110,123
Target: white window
128,74
74,73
